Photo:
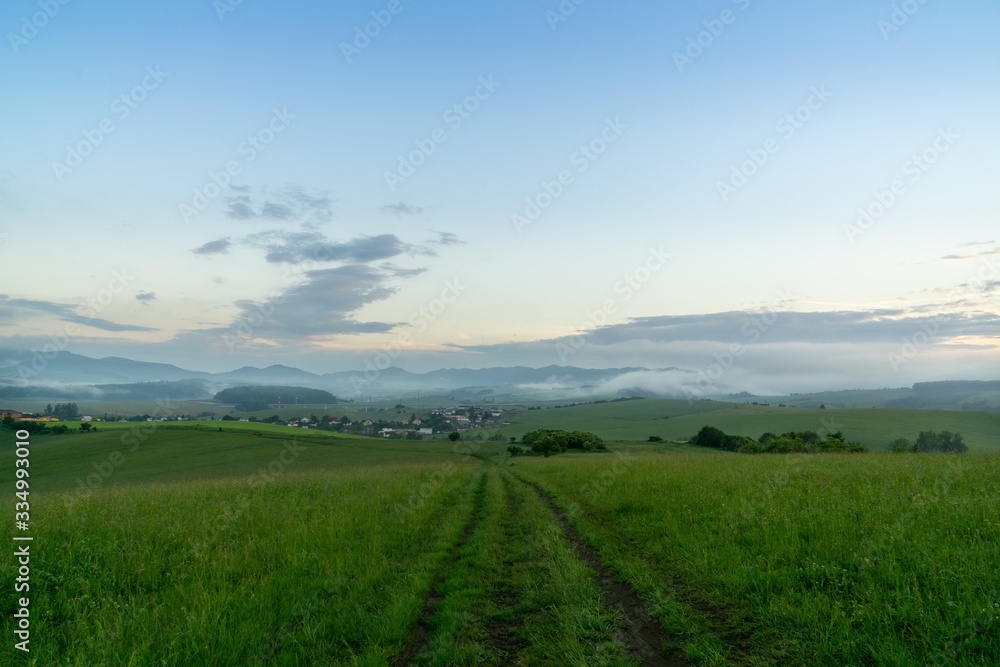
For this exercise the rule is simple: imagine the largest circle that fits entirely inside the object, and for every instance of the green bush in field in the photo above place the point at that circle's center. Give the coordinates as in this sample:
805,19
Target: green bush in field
552,441
929,441
802,442
945,441
900,446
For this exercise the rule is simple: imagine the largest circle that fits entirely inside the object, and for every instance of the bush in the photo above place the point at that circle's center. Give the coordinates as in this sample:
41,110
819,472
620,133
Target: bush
655,438
709,436
900,446
945,441
552,441
803,442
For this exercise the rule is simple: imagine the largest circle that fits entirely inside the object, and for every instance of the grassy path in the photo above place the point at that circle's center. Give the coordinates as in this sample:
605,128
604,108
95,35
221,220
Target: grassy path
418,639
518,594
642,635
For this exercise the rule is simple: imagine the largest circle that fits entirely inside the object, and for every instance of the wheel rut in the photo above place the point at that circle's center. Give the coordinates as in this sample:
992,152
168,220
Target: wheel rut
418,641
642,636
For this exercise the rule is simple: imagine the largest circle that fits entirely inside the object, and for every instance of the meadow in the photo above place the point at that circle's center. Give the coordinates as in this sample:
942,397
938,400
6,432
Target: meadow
269,545
677,420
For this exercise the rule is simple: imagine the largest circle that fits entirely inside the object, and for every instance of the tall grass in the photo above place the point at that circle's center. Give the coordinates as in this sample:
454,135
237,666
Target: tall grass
308,569
804,560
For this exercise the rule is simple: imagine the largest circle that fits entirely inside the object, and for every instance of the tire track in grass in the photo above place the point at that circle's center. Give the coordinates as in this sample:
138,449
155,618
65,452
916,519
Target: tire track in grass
502,634
418,642
642,636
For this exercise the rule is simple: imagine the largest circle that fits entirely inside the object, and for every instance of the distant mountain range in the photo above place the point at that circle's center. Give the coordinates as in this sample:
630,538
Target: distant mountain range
67,368
69,375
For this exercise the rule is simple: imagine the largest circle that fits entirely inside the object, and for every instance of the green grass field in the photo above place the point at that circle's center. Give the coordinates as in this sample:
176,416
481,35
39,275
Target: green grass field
178,544
679,420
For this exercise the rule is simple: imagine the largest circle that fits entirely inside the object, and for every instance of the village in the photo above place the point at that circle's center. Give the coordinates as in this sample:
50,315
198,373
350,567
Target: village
439,420
412,427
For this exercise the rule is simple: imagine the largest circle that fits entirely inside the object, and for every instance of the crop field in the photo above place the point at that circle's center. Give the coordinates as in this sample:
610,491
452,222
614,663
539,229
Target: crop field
256,546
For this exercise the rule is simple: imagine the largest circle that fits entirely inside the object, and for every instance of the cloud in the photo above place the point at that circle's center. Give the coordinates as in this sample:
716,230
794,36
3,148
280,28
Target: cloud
974,255
145,297
447,238
64,312
289,204
859,356
219,246
400,209
324,304
880,325
294,247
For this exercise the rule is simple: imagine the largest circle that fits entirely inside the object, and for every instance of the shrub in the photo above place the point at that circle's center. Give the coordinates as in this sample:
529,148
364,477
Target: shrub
945,441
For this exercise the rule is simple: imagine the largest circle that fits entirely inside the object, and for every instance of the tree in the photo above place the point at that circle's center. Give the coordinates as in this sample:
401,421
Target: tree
85,426
709,436
454,436
945,441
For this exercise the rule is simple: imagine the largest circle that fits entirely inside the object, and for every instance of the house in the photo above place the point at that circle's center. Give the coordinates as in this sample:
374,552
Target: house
13,414
86,418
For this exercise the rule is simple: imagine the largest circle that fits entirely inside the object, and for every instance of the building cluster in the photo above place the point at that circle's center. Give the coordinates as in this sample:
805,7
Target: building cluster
6,413
440,420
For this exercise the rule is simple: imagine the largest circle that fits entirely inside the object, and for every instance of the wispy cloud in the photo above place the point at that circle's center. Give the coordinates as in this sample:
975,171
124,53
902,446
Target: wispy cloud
216,247
400,209
974,255
145,297
447,238
10,308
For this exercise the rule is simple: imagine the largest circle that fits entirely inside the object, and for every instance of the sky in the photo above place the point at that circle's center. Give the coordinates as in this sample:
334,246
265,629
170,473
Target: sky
787,196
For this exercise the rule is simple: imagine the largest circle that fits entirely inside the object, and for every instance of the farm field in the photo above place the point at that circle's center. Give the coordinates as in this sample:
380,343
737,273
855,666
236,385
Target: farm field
199,549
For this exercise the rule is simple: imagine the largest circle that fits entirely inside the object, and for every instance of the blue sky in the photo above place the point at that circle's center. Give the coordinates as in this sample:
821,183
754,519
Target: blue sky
745,158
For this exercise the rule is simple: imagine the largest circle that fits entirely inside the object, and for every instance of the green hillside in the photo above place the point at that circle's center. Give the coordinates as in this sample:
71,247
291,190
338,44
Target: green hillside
169,453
